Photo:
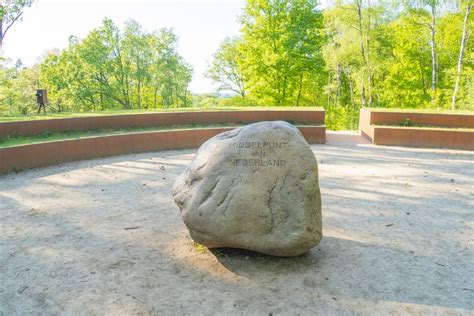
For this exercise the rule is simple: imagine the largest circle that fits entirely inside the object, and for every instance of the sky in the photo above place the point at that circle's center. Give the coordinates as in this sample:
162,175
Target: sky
200,25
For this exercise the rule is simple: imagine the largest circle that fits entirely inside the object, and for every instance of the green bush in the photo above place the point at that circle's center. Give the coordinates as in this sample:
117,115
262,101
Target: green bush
342,118
406,122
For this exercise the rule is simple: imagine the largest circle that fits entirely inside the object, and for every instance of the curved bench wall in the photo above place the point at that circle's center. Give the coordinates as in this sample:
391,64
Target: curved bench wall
26,128
50,153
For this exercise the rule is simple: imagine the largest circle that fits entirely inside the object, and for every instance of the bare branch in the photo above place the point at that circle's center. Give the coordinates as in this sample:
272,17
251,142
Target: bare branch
11,23
422,24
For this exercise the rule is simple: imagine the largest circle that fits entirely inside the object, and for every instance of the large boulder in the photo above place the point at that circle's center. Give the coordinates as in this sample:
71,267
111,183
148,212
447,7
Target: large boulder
255,187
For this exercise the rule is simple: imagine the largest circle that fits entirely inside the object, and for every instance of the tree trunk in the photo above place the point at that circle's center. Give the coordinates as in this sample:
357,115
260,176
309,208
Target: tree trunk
334,105
369,75
283,92
338,88
176,91
139,101
433,52
367,55
351,89
1,34
300,87
329,89
102,105
361,41
423,80
461,55
242,89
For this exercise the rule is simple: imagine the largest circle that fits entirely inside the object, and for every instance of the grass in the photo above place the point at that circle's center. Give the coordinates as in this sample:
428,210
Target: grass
430,127
16,117
200,248
65,135
410,110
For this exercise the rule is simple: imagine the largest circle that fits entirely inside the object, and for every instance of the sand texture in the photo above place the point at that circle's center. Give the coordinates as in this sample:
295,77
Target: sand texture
104,237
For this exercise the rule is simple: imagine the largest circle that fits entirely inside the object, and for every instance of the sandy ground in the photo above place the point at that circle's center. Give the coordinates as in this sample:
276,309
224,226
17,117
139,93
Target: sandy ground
104,237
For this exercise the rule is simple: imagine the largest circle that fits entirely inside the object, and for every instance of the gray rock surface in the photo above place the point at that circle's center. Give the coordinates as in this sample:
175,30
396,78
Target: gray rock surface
255,188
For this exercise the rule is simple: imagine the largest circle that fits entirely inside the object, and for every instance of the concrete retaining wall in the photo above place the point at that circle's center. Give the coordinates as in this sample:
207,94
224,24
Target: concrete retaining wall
50,153
365,126
417,136
378,117
423,137
24,128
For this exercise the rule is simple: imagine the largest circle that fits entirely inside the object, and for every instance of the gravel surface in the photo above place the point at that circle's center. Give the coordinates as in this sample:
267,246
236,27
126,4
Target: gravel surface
104,237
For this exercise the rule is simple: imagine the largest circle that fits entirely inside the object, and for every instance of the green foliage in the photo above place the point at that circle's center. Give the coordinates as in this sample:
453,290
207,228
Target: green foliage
237,101
107,70
406,79
209,100
17,89
228,67
355,53
200,248
342,118
406,122
111,69
206,100
281,42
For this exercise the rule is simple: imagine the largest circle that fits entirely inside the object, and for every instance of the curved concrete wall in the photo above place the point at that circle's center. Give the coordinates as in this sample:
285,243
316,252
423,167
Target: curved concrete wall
24,128
50,153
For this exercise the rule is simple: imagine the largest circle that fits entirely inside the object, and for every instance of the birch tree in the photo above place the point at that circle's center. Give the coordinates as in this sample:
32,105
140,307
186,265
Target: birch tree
464,38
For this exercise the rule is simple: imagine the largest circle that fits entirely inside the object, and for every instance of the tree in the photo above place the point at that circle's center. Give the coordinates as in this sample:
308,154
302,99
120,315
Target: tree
135,46
342,55
282,42
433,7
10,12
406,72
17,87
356,53
464,38
162,46
289,52
363,48
112,69
227,68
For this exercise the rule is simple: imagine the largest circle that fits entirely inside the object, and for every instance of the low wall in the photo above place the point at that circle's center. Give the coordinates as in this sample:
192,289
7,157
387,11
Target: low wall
370,121
50,153
26,128
423,137
365,125
378,117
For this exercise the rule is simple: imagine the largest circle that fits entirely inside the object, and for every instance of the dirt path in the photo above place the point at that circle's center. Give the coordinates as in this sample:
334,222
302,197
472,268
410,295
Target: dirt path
104,237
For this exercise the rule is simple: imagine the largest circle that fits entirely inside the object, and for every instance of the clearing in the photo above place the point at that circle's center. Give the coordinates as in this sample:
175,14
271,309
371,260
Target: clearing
104,237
